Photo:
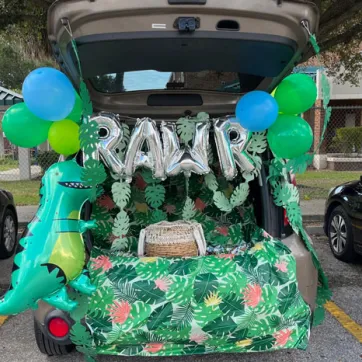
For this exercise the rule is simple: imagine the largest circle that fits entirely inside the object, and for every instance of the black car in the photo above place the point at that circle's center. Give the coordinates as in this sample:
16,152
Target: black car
8,224
343,220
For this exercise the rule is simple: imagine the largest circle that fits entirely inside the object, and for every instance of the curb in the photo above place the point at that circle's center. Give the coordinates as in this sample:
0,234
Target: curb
315,230
313,218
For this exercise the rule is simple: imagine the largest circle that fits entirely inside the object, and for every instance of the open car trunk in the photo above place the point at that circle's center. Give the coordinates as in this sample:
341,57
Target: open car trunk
243,295
258,40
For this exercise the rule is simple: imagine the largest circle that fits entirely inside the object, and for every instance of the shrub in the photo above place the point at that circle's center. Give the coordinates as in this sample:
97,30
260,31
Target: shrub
348,139
46,159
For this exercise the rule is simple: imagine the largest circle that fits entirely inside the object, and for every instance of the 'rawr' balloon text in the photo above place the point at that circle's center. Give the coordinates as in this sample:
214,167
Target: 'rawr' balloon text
169,158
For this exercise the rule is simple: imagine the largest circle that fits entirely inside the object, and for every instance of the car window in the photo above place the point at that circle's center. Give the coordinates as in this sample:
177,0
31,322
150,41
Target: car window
226,82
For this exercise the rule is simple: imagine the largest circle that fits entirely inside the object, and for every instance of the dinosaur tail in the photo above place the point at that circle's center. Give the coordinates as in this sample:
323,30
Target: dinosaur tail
13,303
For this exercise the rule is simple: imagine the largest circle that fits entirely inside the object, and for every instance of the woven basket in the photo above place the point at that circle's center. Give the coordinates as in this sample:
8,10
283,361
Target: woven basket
172,239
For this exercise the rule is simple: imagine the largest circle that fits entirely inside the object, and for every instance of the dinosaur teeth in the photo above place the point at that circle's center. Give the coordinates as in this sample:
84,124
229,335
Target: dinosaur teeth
74,185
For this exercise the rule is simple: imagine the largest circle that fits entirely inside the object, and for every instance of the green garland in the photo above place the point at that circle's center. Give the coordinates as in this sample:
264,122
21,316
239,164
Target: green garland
286,195
93,173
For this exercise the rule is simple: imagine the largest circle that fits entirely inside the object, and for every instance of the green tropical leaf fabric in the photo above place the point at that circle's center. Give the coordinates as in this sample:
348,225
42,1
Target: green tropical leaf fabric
238,301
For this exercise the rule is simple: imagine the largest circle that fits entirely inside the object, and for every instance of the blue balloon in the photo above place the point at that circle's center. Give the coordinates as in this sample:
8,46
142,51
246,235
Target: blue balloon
257,111
48,94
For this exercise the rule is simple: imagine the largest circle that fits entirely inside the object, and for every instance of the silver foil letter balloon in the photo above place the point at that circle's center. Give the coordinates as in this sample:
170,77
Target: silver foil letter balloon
145,131
232,152
110,137
189,159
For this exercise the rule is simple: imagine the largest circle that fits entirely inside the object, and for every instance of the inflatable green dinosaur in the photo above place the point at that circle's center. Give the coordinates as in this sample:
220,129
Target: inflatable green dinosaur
51,252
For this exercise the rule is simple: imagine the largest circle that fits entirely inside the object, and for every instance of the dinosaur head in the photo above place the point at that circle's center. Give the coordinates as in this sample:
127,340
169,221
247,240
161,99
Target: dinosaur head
65,178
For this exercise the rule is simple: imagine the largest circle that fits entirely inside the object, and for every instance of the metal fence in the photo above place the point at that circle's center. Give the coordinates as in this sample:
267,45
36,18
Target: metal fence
340,156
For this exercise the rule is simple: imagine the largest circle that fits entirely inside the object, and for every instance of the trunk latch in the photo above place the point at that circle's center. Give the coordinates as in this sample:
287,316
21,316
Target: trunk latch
187,24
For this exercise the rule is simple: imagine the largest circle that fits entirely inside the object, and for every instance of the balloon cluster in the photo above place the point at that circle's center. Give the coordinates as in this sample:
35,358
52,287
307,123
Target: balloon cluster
51,110
289,136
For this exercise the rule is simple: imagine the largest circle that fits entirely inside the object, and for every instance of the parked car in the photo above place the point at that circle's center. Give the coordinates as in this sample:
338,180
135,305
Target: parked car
8,225
343,220
175,58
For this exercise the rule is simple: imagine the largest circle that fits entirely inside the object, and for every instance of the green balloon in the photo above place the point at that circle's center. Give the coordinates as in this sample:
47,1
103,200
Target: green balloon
290,137
76,114
296,94
23,128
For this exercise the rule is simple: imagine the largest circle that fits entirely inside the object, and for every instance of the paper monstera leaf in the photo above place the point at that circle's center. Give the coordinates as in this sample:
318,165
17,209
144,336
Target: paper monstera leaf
239,195
88,136
121,192
155,195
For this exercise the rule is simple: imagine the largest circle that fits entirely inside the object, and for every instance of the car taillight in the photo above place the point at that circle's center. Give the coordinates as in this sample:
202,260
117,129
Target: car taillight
293,179
58,327
286,220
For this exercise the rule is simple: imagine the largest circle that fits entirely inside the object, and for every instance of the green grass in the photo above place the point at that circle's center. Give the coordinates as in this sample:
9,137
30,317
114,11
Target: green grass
8,164
25,192
316,184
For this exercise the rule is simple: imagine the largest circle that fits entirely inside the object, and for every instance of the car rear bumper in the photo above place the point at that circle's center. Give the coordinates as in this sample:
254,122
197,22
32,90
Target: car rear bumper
307,275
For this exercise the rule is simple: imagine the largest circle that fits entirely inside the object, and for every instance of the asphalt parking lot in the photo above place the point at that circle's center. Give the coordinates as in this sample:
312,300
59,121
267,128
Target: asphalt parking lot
334,341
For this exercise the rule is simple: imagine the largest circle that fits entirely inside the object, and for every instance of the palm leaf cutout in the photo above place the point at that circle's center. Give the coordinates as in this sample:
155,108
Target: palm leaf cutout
294,215
157,216
121,192
221,202
258,143
81,337
276,168
155,195
299,164
188,211
88,136
239,195
282,193
120,244
250,176
121,224
294,194
93,173
87,104
185,129
211,182
202,117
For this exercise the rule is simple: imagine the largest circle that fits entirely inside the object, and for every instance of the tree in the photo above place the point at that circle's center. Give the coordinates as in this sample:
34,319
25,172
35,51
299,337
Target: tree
340,31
